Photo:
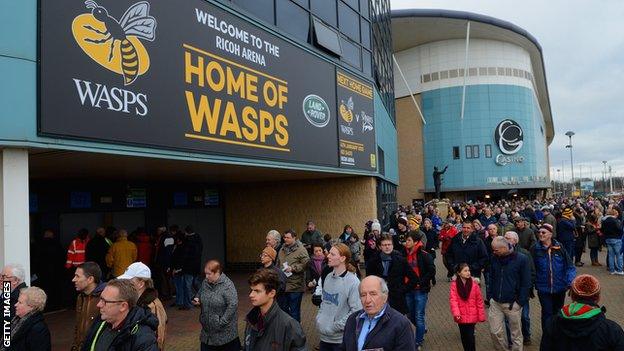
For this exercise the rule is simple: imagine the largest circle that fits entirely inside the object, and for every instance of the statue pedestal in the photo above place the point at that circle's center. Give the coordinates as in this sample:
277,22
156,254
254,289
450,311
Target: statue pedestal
442,206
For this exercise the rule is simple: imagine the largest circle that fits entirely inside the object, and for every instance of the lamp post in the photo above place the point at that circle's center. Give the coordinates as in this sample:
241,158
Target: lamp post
604,175
570,134
559,178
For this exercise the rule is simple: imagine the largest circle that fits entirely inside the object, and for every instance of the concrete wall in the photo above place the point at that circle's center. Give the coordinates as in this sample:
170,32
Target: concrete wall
410,140
251,210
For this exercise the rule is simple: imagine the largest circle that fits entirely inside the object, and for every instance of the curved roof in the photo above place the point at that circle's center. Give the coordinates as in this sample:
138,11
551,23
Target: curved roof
414,27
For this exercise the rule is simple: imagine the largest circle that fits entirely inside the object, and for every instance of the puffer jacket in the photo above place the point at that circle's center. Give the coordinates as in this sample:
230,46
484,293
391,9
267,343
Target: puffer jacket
122,254
471,310
149,299
86,312
138,332
554,270
219,320
275,331
297,258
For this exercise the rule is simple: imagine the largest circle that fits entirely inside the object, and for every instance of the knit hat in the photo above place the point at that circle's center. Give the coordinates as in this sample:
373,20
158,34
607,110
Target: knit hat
567,213
414,221
402,220
547,226
585,287
376,226
269,251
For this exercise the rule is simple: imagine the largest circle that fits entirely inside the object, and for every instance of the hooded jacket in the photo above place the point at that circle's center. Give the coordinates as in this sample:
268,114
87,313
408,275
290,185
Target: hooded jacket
122,254
554,270
218,318
33,335
137,333
340,298
86,312
149,299
581,327
275,331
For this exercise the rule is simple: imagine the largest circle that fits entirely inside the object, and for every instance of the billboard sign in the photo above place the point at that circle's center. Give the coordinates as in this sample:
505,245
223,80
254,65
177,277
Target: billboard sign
193,76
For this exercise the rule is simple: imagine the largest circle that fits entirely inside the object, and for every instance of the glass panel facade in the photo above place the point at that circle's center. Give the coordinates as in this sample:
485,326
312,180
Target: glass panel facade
263,9
348,21
293,19
325,10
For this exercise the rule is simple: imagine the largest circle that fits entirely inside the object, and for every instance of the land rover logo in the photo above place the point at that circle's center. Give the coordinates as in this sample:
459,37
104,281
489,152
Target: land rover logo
316,110
509,136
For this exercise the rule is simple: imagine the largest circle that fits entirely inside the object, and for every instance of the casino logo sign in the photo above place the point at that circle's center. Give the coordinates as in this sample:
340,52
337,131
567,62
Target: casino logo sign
509,136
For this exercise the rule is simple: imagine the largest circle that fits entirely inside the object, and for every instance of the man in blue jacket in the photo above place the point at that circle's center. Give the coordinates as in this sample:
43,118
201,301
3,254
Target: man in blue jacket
554,272
565,231
507,292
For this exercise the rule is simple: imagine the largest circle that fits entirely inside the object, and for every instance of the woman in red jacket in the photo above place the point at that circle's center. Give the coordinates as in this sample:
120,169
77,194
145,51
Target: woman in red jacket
466,306
447,233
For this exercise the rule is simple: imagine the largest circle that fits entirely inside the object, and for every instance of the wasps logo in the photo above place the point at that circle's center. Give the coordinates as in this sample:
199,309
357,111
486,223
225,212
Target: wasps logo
115,44
346,110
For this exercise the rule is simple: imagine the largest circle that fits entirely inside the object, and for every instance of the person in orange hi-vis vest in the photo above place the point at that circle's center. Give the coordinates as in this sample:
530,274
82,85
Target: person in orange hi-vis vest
76,252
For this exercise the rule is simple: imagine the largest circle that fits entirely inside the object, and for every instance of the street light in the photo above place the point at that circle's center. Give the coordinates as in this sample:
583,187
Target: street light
570,134
604,175
560,180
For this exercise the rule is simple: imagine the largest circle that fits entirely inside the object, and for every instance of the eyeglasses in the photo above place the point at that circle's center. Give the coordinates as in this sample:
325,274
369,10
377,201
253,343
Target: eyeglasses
7,277
105,301
543,232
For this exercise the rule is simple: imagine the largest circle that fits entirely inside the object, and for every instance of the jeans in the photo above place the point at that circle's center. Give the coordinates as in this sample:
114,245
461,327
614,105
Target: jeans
467,333
416,304
183,284
526,322
325,346
614,246
551,304
293,300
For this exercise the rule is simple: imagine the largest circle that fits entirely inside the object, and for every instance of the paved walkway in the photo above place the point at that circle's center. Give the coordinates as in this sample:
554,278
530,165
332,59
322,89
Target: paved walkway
183,326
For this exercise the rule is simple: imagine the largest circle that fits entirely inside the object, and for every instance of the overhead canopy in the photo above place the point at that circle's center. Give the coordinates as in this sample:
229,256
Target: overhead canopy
414,27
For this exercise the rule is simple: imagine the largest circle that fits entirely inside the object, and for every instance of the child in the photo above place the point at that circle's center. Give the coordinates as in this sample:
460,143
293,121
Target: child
466,305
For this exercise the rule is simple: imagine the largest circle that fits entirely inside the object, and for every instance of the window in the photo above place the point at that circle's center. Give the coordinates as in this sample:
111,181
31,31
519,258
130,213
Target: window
475,151
381,161
468,151
325,10
472,71
260,8
456,152
434,76
491,71
326,37
483,71
426,78
453,73
501,71
352,3
350,52
304,3
366,62
444,75
293,19
488,151
364,8
348,21
365,29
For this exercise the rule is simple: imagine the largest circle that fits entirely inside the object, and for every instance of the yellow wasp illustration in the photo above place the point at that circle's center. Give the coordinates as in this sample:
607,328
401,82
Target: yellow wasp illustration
346,110
136,22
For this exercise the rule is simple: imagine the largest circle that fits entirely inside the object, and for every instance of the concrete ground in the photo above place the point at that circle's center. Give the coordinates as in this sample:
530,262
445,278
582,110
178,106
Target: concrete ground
183,326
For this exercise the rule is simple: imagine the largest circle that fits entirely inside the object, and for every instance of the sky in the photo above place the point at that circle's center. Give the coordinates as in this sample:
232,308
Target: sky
583,50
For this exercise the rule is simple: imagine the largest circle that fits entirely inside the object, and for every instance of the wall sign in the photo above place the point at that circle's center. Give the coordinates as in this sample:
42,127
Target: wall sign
192,76
509,137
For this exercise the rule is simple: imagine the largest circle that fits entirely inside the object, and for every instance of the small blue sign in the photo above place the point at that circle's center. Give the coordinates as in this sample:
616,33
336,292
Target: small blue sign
180,198
80,199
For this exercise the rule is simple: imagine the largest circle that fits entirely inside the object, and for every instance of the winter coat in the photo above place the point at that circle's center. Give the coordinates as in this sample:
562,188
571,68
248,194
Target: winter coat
14,296
33,335
340,298
611,228
137,333
164,252
502,229
509,280
445,237
565,229
398,271
582,327
122,254
593,239
144,248
421,261
277,332
432,241
218,318
76,253
297,257
471,310
472,252
193,249
485,221
554,270
393,332
356,251
149,299
309,238
311,273
86,312
526,238
97,248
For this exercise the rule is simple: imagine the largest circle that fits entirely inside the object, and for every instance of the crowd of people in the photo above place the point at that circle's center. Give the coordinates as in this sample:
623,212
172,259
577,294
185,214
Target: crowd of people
371,291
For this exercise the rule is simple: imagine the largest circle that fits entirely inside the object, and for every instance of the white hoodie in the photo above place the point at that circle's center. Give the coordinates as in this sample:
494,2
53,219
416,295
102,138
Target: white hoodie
341,298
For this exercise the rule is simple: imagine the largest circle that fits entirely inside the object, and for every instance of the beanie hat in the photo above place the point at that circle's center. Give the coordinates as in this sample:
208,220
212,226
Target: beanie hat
269,251
585,287
402,220
567,213
376,226
414,221
547,226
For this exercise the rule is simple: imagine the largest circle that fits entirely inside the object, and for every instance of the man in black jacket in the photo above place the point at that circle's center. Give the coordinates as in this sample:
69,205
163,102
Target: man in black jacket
468,248
377,326
507,292
392,266
582,324
97,249
122,326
